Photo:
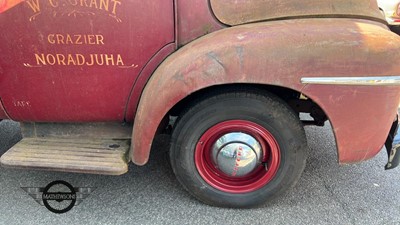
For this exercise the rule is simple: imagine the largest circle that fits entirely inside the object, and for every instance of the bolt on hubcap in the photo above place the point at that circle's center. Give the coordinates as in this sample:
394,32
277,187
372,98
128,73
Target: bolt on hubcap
233,156
236,154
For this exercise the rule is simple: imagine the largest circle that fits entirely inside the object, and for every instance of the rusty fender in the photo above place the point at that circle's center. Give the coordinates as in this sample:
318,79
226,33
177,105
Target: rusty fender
260,10
280,53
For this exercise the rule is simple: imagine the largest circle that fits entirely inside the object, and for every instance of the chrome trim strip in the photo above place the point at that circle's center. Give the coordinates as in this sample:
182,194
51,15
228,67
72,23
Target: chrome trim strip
369,81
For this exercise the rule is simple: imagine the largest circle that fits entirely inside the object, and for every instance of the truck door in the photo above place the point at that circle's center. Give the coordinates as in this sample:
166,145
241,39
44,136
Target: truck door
77,60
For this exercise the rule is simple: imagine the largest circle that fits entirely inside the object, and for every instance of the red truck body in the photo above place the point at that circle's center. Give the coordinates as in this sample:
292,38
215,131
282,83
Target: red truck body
94,62
141,62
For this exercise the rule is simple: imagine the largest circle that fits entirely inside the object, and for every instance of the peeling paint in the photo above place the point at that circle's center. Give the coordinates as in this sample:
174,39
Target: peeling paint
280,53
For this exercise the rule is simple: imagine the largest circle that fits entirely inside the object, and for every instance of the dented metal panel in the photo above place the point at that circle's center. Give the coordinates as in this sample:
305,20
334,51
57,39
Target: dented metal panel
287,51
240,12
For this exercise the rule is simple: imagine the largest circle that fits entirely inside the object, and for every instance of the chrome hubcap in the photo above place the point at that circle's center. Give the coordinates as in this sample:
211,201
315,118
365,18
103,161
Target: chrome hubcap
236,154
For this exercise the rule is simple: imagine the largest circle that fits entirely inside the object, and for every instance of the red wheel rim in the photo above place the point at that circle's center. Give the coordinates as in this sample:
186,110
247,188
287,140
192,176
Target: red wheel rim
258,178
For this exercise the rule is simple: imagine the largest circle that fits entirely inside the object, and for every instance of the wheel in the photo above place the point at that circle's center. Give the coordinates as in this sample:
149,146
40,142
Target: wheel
238,148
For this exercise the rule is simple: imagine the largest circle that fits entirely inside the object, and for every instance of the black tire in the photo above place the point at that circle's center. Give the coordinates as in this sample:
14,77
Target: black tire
257,107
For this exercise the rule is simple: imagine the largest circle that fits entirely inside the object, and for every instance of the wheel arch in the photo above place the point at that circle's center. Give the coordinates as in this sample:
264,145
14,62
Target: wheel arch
227,57
283,93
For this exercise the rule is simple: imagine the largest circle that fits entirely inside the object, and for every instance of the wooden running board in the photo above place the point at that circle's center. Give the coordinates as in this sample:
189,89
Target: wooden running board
96,156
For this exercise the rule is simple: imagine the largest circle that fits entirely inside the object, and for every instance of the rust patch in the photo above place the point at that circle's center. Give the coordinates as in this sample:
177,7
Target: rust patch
280,53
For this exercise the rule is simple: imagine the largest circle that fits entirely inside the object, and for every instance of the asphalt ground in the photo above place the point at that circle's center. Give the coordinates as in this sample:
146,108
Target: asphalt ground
326,193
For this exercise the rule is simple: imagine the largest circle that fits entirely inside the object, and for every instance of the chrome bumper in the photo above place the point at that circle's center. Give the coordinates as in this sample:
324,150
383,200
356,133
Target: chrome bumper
392,145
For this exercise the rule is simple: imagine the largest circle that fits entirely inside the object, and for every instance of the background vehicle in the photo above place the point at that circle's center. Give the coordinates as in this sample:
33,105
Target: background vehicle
92,83
391,10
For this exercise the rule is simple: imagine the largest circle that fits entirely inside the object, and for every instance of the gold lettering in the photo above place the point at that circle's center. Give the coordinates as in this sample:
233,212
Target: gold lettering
50,39
80,59
78,39
40,60
91,60
54,4
71,60
84,1
73,2
60,59
34,4
99,39
51,60
109,60
97,59
91,39
119,60
115,6
60,39
109,7
104,3
93,2
69,40
22,104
